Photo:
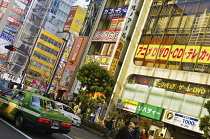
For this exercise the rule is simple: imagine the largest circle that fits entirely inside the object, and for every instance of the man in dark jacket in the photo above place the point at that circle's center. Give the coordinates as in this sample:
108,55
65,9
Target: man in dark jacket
130,131
109,126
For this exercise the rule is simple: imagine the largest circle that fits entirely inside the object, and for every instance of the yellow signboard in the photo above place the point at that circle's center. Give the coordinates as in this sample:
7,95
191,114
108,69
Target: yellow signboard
164,52
191,54
129,102
78,20
177,53
141,51
204,56
152,51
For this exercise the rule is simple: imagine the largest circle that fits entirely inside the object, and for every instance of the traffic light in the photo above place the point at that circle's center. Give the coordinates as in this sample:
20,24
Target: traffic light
10,47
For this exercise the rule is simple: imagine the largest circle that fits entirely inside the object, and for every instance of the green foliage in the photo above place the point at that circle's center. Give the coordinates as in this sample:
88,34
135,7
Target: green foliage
205,122
95,78
94,126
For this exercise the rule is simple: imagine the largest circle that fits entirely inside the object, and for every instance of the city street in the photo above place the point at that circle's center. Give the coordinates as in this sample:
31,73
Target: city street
8,131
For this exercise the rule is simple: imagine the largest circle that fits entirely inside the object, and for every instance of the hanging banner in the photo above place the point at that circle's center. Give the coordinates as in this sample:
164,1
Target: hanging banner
149,111
181,120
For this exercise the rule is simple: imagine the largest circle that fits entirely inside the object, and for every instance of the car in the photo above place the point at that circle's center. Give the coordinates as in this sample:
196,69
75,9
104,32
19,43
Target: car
69,112
33,110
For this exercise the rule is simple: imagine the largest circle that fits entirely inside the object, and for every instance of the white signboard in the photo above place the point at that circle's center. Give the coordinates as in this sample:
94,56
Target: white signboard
181,120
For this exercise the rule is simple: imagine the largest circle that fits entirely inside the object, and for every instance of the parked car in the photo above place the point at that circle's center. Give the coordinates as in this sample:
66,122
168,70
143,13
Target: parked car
30,109
69,112
4,85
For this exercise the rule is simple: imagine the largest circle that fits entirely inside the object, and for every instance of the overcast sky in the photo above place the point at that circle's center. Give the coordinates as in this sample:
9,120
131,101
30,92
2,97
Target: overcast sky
82,3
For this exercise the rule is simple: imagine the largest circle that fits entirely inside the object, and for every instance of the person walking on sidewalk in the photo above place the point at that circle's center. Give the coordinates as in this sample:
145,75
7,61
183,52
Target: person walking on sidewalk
109,127
130,131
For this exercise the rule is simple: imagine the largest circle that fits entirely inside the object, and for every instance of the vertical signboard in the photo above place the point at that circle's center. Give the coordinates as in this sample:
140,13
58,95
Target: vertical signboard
72,62
181,120
77,22
116,57
70,18
8,34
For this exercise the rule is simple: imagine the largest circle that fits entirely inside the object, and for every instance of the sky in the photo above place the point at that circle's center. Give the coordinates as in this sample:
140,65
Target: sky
82,3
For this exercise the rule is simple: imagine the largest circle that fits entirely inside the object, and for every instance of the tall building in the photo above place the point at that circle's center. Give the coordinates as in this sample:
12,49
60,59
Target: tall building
12,14
158,52
39,41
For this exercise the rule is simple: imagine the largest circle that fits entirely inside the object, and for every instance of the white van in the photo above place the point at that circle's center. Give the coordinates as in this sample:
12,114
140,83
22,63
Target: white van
68,111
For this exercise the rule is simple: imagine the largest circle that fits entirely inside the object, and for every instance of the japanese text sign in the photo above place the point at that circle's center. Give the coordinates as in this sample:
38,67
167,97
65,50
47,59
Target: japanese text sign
152,52
191,54
106,36
102,60
13,20
181,120
126,104
149,111
4,4
141,51
204,56
8,34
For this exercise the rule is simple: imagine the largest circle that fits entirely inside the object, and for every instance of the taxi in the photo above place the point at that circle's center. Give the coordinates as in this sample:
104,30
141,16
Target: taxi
33,110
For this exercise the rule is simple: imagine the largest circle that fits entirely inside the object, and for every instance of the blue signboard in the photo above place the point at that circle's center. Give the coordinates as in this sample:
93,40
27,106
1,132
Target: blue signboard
124,11
8,34
114,12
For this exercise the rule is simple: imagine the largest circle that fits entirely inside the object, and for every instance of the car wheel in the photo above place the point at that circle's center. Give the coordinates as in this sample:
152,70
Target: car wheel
19,121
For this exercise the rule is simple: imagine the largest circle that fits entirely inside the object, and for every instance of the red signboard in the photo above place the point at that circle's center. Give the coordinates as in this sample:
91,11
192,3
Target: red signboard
106,36
4,4
13,20
1,15
70,18
24,1
18,10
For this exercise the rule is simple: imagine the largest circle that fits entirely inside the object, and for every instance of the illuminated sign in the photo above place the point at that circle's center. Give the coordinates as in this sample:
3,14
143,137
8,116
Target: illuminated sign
102,60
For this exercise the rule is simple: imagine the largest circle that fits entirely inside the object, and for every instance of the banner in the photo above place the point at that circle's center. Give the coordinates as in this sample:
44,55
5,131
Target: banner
8,34
149,111
191,54
13,21
126,104
182,120
70,18
204,56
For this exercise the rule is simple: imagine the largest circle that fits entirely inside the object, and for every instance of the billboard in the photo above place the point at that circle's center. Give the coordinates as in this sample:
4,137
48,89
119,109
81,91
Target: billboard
70,18
182,120
72,62
77,21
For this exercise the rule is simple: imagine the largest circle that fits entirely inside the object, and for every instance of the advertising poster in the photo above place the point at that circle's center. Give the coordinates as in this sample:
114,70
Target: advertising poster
181,120
70,18
78,20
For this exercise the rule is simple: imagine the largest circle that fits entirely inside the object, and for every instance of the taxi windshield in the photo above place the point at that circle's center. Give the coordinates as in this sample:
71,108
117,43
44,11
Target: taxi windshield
43,103
3,85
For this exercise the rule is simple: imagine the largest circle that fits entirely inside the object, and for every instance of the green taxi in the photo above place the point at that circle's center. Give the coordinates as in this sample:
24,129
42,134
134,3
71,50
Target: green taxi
36,111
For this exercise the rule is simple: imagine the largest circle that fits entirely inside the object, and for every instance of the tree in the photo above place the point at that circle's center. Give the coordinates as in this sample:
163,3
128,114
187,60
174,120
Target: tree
94,78
205,122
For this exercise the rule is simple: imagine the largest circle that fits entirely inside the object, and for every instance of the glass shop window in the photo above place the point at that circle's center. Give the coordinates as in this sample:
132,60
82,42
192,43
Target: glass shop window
187,66
205,68
173,65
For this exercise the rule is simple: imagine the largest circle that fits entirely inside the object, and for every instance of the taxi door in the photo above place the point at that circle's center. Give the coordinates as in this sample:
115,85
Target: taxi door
5,98
14,105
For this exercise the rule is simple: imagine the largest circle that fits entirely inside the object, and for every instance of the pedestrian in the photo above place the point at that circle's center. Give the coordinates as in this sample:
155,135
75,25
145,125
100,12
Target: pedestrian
109,126
130,131
121,124
161,136
144,134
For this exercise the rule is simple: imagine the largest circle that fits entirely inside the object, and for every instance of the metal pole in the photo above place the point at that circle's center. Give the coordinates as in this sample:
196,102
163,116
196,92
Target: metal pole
57,63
